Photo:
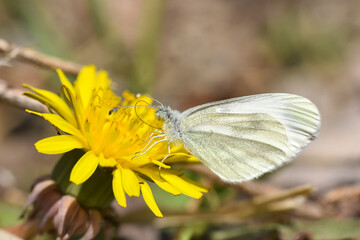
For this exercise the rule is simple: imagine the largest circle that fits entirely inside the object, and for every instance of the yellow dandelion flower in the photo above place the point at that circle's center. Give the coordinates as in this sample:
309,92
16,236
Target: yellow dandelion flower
111,140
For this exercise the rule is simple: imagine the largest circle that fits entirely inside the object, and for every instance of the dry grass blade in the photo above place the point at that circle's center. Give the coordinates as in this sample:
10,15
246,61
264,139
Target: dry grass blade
238,212
30,56
16,98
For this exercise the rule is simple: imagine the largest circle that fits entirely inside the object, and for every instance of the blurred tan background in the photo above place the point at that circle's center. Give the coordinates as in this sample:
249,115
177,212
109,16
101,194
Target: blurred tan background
187,53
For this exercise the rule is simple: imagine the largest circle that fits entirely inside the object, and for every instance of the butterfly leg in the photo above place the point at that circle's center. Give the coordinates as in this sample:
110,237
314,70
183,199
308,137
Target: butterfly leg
151,139
164,159
152,134
162,140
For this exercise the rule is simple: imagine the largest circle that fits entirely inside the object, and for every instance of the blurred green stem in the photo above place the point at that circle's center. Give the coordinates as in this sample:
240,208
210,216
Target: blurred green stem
146,48
110,39
40,26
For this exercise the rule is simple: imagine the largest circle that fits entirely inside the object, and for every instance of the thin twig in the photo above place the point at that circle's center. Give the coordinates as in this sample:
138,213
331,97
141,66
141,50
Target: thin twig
15,98
28,55
251,188
283,201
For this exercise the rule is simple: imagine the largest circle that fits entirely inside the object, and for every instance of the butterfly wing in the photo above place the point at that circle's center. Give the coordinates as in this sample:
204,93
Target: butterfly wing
242,138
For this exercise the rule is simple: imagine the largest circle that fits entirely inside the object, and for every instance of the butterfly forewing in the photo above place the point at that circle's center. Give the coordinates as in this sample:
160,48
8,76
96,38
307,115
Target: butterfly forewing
242,138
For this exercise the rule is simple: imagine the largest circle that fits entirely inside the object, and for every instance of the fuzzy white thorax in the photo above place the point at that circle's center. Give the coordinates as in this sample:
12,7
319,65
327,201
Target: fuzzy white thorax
171,126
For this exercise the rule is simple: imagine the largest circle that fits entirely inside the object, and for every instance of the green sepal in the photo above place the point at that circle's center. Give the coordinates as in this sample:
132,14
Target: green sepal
96,192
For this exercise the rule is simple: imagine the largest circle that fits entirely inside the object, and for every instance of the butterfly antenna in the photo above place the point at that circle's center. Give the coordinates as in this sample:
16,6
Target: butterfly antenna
140,117
157,101
113,110
154,99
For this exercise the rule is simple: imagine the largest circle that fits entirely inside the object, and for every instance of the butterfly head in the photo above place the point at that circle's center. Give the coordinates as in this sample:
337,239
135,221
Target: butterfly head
163,112
167,114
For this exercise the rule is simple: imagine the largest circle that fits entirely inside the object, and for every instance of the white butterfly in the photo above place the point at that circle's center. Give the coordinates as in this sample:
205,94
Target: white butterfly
242,138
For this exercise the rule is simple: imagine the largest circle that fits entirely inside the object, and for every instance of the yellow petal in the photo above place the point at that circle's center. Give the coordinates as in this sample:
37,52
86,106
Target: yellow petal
160,164
84,168
153,174
54,101
107,162
179,157
60,123
78,107
37,98
181,185
85,84
65,82
167,187
118,188
130,182
58,144
102,80
196,185
149,198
